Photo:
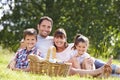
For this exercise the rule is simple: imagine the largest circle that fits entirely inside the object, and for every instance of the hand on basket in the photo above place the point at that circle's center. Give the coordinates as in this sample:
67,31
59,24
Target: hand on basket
35,58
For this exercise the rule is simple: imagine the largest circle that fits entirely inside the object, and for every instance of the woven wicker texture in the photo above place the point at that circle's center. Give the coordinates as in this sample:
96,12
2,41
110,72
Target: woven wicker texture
45,67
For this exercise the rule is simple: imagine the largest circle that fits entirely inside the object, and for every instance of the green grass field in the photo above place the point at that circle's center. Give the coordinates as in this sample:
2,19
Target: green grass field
7,74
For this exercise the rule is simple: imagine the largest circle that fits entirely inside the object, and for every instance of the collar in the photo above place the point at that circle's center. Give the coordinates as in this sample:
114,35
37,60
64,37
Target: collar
48,37
25,49
41,37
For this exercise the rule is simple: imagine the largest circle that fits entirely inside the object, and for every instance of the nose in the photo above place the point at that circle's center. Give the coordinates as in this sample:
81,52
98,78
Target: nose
59,39
30,41
46,28
80,48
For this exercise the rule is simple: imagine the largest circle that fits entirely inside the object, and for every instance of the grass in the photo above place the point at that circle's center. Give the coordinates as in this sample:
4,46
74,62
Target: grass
7,74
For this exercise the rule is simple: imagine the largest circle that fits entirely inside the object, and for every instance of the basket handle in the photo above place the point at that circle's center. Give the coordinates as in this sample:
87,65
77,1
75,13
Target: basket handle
53,49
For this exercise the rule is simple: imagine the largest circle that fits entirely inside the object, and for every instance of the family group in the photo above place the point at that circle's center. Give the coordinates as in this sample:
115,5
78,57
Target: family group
38,43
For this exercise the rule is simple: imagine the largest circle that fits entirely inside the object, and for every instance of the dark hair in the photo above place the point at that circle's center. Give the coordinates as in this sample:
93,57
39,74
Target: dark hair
30,31
62,34
80,38
45,18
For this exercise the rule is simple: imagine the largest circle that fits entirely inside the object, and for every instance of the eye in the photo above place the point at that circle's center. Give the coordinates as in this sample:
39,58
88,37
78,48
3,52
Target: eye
33,39
43,26
49,27
83,46
28,39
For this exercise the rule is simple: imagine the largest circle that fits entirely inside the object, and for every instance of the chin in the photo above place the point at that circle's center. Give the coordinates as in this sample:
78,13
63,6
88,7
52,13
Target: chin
31,46
44,35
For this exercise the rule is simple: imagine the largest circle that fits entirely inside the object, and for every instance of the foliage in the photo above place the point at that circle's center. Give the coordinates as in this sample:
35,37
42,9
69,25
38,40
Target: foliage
97,19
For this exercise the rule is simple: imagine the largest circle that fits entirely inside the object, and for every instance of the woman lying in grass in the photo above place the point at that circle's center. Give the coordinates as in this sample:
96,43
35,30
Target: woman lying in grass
65,53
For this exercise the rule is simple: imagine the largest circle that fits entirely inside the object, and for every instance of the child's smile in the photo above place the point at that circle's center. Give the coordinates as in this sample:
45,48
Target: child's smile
30,41
81,48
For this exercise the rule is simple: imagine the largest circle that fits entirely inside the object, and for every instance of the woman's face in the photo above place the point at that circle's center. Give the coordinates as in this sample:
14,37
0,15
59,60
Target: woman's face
59,42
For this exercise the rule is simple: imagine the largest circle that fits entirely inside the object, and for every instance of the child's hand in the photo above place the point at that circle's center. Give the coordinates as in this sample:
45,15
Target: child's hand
12,65
90,60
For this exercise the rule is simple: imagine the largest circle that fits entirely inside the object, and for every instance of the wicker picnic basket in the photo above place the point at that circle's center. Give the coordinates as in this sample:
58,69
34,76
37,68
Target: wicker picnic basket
45,67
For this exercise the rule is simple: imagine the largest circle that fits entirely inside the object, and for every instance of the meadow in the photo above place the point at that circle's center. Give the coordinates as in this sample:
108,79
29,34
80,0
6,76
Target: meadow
7,74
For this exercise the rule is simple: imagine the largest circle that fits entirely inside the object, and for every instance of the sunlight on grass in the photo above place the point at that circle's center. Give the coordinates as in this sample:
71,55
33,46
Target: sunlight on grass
7,74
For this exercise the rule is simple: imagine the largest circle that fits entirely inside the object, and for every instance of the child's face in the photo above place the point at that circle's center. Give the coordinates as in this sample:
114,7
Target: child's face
59,42
30,41
81,48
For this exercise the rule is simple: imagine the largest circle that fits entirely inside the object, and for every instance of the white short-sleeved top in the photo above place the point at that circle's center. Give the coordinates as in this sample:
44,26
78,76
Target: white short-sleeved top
82,57
66,54
43,44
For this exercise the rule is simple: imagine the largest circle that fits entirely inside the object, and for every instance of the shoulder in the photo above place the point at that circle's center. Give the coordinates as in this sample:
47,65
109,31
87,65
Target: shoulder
68,49
86,54
20,50
70,45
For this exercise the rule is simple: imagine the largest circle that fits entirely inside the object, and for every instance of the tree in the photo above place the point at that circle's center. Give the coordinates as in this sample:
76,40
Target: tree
98,20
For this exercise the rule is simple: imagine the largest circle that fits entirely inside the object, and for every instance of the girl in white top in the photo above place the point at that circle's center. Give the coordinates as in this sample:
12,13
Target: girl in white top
64,53
82,59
